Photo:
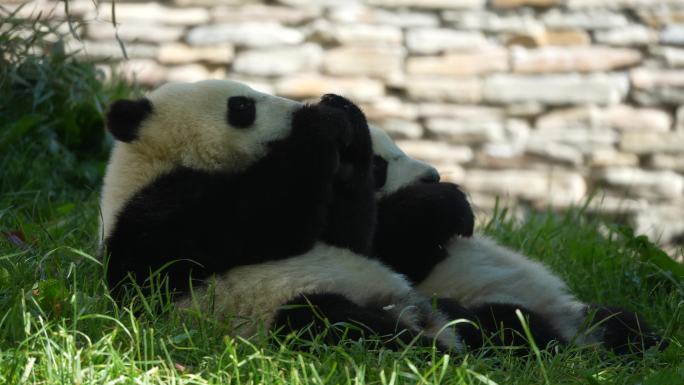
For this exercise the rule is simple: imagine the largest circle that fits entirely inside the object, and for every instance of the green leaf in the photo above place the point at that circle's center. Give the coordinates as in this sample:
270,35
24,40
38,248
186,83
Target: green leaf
649,252
65,209
4,277
665,377
14,131
52,290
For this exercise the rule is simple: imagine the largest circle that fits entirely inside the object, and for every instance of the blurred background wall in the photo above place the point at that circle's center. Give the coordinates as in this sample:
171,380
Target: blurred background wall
540,102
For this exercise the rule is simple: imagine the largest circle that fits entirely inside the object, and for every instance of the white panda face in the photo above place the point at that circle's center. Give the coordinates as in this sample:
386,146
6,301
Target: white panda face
213,125
393,169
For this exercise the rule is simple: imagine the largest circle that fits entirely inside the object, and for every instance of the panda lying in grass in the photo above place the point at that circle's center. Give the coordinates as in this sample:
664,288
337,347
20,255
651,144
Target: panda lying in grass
418,218
262,211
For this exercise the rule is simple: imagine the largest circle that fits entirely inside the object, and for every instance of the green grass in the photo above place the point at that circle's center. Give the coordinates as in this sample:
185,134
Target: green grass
51,108
59,326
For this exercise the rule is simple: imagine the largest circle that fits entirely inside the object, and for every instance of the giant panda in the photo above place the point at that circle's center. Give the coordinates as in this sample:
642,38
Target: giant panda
425,232
255,209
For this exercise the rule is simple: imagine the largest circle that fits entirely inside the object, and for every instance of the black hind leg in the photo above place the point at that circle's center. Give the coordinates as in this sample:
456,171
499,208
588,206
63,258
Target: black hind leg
467,327
501,326
624,331
335,318
498,325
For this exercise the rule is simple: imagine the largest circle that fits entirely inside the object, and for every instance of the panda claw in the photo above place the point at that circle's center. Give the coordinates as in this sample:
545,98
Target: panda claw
336,101
356,117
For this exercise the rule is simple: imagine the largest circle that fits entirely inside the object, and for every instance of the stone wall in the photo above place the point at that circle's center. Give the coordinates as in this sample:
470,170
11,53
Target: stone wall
541,101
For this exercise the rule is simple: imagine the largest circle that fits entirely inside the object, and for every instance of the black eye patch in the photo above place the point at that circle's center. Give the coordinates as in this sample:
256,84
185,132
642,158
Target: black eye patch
241,111
379,171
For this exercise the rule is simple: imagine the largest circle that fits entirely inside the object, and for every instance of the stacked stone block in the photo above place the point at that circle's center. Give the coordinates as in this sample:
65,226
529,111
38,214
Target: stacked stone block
539,101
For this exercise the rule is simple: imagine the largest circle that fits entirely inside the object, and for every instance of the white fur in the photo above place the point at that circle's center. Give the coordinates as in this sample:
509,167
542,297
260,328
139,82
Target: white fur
249,296
477,271
188,126
402,170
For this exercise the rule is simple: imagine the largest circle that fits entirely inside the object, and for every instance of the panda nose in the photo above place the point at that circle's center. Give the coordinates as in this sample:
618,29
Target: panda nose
431,176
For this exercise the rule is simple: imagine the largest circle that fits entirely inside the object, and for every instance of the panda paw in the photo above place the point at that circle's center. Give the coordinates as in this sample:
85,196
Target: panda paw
356,156
351,110
624,331
435,211
320,124
319,134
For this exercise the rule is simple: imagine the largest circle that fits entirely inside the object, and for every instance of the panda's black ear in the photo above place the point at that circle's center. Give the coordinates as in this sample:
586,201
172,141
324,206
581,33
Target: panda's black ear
124,118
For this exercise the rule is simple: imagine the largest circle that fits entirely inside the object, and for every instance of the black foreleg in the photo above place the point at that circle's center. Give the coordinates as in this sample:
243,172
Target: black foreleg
352,213
284,199
415,223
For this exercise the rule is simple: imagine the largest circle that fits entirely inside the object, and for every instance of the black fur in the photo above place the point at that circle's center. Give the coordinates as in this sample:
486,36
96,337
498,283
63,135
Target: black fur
467,328
498,325
502,327
124,118
352,214
624,331
241,111
414,224
379,171
316,313
209,222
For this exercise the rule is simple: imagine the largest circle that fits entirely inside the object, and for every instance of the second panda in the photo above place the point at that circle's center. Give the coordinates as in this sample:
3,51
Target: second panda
425,231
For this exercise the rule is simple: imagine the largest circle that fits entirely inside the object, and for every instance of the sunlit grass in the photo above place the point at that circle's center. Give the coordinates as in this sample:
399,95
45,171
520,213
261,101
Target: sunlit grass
59,325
